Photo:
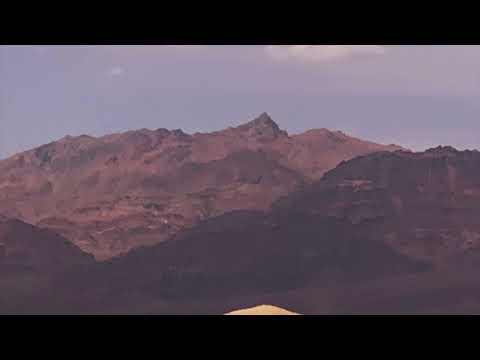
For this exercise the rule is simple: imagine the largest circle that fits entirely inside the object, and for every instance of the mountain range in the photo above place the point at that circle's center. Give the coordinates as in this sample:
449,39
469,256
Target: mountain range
171,223
111,194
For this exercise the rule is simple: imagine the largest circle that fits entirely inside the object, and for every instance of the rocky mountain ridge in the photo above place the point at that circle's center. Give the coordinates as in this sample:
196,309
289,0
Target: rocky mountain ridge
113,193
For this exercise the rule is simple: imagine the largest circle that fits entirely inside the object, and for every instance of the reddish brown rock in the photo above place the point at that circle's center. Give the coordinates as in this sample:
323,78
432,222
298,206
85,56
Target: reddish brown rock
382,233
117,192
424,205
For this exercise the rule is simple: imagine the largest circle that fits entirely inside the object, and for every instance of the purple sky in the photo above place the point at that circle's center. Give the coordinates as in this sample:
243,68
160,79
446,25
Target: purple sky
416,96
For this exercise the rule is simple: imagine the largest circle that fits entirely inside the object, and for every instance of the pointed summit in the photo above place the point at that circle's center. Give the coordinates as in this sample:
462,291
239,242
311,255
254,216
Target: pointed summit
262,128
264,118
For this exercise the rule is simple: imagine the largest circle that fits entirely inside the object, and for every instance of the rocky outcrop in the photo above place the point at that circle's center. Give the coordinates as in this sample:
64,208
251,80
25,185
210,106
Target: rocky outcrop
424,205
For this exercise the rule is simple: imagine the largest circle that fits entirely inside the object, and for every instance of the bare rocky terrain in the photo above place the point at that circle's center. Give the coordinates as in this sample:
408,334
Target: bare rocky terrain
386,231
381,233
114,193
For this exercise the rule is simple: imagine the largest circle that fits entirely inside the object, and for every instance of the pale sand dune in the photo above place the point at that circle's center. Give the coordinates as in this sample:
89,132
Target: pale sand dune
262,310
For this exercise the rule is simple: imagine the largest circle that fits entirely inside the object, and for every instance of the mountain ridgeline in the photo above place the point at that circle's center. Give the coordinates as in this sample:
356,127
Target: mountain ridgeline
111,194
320,223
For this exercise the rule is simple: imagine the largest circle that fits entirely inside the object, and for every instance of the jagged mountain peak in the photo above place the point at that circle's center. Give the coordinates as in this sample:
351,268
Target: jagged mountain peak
262,128
264,119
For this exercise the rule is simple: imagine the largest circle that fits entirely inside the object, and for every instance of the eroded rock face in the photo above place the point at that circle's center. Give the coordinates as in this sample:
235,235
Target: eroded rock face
425,205
117,192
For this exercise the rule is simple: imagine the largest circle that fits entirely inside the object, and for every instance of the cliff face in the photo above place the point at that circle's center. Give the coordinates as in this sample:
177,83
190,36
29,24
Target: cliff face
117,192
424,205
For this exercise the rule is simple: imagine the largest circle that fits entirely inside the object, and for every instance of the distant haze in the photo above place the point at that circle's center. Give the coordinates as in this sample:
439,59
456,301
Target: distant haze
415,96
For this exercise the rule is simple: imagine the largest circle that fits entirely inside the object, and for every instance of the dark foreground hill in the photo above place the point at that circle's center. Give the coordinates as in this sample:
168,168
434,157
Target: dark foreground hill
30,259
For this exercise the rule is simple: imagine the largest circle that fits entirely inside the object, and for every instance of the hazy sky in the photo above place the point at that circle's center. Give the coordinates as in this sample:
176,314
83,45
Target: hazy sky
416,96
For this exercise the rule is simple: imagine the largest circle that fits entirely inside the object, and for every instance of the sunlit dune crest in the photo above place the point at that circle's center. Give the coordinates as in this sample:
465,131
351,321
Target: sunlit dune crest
262,310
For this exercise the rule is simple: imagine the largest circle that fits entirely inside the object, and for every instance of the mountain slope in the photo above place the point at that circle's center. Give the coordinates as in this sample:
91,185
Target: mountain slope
324,249
117,192
30,261
327,248
25,245
424,205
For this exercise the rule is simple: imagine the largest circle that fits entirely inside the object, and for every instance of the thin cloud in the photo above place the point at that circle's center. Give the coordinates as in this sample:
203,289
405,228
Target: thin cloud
116,71
320,53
